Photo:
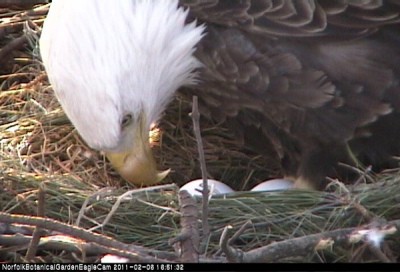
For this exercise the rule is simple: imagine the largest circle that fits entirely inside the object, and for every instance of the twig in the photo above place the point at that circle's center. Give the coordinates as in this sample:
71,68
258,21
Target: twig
368,215
232,254
70,244
188,238
388,252
21,3
351,200
363,176
379,254
37,234
302,246
134,253
125,196
363,173
242,229
81,213
196,129
235,236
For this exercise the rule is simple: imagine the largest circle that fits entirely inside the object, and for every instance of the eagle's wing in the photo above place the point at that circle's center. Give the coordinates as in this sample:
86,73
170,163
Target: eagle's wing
297,18
312,75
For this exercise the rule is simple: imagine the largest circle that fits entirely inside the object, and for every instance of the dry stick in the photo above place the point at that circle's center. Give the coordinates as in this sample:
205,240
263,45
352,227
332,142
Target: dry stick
363,173
224,240
106,243
21,3
188,238
368,215
379,254
242,229
232,254
125,196
37,234
363,176
196,129
73,245
388,252
351,200
101,192
302,246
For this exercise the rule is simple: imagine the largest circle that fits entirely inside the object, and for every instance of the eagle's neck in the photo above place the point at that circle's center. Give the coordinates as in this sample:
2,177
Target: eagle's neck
163,47
110,59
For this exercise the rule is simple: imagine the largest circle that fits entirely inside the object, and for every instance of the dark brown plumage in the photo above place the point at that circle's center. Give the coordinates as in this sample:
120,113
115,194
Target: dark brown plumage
311,77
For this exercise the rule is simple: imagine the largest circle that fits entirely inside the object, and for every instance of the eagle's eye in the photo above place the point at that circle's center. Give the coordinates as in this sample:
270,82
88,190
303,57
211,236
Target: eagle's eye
126,120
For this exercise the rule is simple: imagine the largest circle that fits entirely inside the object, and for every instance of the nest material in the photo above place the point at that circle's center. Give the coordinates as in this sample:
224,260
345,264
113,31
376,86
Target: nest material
150,218
39,147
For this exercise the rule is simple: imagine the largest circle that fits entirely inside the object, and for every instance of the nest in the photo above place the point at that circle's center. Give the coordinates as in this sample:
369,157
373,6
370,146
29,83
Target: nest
71,192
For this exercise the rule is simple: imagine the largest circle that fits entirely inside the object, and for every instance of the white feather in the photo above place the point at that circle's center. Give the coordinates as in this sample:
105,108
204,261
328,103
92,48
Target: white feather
109,58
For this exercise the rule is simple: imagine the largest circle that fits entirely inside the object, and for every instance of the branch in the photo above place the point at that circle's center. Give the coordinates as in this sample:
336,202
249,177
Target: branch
38,232
302,246
196,128
68,244
134,253
188,238
127,196
22,4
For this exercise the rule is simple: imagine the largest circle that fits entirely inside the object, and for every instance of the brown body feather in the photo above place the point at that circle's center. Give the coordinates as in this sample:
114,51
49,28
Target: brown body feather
309,76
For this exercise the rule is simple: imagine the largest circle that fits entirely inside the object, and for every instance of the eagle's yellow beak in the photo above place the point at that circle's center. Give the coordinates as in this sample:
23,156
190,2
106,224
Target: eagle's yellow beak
138,166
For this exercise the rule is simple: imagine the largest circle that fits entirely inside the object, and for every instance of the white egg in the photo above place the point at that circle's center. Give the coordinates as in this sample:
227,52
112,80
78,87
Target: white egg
274,185
109,258
215,187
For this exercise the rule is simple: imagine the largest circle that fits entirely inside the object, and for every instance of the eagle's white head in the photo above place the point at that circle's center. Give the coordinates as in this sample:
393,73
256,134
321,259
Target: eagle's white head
114,66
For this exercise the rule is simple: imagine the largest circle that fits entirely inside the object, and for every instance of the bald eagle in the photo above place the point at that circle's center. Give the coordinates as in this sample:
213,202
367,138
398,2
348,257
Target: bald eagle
316,79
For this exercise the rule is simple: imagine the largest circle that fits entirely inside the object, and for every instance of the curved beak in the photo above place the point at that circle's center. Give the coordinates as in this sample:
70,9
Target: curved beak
137,166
